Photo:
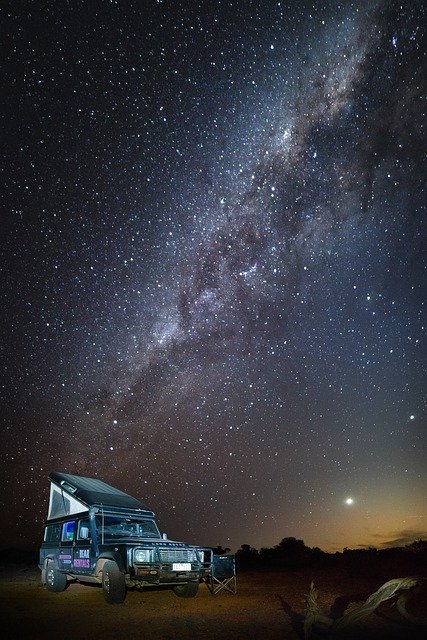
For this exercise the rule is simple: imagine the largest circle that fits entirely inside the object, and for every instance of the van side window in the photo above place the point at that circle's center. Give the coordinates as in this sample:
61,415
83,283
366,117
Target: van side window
68,531
52,533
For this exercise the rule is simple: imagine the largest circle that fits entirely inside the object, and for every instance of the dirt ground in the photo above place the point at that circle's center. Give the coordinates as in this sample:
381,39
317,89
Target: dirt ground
267,606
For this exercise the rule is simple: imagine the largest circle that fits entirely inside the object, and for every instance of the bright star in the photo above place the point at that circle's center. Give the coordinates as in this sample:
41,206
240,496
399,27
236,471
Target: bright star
349,501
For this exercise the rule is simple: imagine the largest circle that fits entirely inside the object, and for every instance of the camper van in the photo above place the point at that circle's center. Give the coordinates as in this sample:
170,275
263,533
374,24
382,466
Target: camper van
96,533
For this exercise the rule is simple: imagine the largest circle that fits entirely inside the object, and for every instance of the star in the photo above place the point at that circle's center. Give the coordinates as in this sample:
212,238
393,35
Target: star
216,265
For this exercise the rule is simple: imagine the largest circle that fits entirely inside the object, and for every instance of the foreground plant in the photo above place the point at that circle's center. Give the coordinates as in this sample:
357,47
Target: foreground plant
317,620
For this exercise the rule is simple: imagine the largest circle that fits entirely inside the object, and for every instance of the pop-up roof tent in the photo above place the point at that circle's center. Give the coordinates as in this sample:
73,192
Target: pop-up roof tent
71,494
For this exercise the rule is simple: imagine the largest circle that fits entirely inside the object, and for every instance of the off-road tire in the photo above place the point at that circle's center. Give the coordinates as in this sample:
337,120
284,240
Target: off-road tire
55,580
188,590
113,583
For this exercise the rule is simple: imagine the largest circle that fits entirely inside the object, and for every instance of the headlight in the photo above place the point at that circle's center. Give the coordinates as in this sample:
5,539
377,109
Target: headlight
142,555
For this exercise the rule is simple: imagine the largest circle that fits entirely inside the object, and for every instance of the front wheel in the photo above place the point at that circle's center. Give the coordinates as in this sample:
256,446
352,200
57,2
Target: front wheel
113,583
188,590
55,580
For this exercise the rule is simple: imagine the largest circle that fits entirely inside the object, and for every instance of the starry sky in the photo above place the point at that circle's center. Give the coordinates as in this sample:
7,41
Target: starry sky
214,265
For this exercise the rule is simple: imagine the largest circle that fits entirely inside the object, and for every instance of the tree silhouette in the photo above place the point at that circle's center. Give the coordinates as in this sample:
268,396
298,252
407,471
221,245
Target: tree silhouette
247,555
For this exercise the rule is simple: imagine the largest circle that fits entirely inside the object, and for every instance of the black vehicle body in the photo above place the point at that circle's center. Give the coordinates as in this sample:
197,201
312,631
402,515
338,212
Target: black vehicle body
96,533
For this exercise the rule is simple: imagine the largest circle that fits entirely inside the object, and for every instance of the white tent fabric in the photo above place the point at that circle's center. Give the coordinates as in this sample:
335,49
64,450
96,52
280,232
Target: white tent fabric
63,504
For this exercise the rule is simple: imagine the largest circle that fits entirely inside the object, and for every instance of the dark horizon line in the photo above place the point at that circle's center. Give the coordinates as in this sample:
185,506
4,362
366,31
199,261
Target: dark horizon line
34,549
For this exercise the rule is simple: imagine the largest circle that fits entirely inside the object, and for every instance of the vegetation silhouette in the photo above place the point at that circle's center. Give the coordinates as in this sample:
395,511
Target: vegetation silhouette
292,553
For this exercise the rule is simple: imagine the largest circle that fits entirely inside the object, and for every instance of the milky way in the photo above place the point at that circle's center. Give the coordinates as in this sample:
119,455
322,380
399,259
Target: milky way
215,247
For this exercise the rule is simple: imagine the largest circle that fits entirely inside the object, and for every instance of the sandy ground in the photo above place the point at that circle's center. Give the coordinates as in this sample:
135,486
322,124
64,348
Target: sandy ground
267,606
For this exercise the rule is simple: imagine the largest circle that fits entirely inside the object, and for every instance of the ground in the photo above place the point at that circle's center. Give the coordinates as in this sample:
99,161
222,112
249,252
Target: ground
267,606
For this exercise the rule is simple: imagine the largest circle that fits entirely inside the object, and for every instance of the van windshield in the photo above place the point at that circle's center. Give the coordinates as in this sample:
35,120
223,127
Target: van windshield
125,527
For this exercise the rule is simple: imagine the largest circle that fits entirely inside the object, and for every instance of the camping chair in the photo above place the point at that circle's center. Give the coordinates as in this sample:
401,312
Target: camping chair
222,575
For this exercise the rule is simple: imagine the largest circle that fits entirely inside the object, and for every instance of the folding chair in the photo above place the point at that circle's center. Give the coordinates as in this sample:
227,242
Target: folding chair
222,575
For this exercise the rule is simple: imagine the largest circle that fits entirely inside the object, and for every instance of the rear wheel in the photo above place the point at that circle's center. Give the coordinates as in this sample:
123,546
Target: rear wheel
188,590
113,583
55,580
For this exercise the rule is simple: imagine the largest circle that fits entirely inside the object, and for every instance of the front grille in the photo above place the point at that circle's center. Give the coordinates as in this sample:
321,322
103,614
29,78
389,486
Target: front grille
177,555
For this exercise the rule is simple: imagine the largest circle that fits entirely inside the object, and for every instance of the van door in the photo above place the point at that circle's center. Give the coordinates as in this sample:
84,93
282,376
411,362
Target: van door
65,555
82,556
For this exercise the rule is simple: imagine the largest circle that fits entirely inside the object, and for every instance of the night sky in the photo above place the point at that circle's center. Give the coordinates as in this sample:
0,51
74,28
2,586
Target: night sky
214,265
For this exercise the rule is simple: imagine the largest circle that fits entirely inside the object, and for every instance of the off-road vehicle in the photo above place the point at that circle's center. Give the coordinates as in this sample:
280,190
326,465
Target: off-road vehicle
96,533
